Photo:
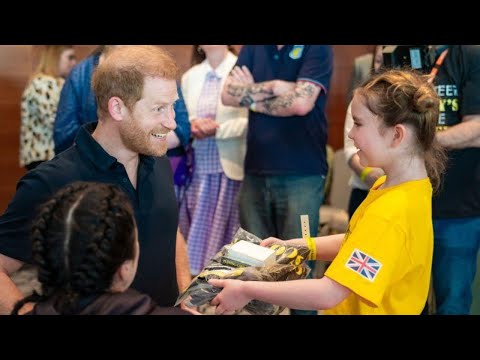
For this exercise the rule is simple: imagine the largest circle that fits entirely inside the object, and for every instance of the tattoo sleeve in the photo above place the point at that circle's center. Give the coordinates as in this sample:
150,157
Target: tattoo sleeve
282,105
247,94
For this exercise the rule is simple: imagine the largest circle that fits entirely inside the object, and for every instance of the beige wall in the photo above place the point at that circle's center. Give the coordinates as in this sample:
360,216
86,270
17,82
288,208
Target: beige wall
15,67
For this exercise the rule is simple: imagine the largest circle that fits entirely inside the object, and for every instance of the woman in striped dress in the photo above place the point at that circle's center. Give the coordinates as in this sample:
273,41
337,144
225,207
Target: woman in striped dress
209,212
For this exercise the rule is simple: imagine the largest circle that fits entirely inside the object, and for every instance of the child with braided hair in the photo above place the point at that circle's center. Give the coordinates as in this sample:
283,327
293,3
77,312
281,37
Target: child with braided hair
136,91
85,245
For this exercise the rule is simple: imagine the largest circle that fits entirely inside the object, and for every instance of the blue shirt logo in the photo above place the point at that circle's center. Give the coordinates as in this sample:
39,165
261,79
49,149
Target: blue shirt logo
296,52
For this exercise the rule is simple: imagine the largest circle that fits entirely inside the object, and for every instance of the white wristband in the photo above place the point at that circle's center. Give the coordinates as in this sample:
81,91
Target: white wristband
253,107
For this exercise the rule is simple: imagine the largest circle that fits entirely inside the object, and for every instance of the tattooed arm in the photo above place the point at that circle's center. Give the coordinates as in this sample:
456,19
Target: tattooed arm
298,101
242,95
240,89
275,97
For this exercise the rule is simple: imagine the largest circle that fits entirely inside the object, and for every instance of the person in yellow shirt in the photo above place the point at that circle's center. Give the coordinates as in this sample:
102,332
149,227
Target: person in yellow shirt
382,265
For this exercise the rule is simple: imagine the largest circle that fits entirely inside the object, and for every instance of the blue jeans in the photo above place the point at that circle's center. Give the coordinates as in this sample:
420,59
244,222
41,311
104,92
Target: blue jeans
457,242
272,205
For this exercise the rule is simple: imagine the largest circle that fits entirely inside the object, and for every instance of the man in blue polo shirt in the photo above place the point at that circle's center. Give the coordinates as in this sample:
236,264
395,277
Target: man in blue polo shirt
136,90
285,88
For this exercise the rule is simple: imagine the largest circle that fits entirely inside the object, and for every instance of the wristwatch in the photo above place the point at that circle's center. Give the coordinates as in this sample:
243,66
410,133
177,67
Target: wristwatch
246,101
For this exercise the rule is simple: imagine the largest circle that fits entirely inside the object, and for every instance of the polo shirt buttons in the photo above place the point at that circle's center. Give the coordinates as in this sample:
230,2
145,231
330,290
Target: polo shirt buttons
125,180
276,57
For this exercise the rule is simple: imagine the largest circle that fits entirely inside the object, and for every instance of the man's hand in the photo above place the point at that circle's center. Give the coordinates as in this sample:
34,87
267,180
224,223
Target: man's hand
26,308
242,75
9,293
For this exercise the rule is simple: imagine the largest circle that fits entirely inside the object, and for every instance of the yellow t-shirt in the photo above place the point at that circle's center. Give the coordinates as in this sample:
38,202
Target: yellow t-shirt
386,255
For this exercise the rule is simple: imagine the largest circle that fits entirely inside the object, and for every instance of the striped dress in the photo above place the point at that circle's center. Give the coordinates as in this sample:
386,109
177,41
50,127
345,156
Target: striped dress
209,211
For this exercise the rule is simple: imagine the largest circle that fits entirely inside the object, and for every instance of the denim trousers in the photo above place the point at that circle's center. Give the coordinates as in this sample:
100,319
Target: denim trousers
456,247
272,205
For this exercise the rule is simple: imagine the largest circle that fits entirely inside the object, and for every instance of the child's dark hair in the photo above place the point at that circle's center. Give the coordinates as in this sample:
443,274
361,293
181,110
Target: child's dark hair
79,239
406,97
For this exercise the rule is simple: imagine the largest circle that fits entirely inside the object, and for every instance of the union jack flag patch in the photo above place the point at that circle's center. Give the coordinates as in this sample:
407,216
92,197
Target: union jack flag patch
363,264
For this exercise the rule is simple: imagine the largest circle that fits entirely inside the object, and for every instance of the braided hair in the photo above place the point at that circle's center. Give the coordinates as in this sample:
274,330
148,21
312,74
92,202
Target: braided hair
80,238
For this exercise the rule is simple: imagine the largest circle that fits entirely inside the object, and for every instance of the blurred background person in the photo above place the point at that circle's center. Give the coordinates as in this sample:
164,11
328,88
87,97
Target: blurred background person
209,215
39,104
285,87
362,177
456,207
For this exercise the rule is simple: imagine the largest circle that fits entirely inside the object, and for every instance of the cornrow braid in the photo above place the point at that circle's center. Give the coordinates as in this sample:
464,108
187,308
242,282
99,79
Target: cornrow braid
98,267
79,239
46,253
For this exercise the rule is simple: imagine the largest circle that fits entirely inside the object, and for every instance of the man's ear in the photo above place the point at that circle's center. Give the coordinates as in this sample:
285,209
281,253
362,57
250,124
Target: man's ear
399,134
116,108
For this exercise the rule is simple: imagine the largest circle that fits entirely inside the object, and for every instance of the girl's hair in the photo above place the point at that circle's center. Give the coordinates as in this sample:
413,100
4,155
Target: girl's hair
406,97
49,59
79,239
198,55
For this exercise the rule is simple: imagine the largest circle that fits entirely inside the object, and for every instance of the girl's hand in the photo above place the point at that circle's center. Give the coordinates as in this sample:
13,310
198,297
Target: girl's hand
202,128
272,240
191,310
231,298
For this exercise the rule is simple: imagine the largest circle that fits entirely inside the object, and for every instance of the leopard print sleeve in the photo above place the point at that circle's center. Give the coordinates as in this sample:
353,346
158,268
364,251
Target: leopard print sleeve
38,109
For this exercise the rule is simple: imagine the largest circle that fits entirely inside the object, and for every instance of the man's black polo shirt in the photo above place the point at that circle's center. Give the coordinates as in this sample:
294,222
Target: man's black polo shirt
154,203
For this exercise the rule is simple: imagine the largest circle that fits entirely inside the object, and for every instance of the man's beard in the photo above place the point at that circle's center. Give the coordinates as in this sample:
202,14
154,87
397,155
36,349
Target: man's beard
135,139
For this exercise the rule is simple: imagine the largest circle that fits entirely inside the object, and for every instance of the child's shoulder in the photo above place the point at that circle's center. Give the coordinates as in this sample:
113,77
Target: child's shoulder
402,200
390,204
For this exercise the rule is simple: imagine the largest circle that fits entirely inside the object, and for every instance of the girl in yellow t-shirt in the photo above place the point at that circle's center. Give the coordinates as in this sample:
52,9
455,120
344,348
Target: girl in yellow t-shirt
382,264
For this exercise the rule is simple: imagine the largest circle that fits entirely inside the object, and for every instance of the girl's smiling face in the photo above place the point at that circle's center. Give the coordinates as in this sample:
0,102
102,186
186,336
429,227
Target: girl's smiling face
368,135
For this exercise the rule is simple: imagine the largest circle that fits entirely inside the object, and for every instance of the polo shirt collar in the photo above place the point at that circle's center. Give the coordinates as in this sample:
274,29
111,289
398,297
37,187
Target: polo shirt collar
96,154
91,148
274,50
147,161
